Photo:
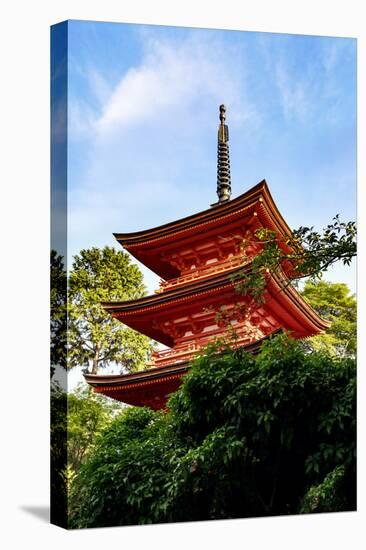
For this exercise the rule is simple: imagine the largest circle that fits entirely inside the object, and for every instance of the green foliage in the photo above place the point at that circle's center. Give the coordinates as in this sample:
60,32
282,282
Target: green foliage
292,412
123,482
245,436
77,419
58,299
59,486
307,253
321,250
334,302
332,494
87,415
95,338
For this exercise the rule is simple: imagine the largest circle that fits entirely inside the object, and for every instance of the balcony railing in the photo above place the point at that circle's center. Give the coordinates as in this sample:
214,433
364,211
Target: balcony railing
166,357
202,272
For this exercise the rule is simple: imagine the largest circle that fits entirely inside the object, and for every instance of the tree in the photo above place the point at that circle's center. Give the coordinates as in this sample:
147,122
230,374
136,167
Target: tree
87,415
95,338
265,430
58,300
128,470
58,401
245,436
305,253
77,420
334,302
59,488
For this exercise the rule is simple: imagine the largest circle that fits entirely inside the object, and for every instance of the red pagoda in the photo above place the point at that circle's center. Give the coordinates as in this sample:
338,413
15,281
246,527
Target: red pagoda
197,258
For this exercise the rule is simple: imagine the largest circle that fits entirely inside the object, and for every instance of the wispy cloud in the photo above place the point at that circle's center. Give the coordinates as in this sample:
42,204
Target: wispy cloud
82,120
308,74
174,76
295,93
143,143
140,134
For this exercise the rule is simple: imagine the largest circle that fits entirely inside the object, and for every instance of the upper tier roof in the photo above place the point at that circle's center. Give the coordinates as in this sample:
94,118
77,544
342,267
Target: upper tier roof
148,245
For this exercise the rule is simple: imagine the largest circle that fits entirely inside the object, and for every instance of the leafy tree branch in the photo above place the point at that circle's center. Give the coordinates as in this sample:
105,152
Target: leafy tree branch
306,253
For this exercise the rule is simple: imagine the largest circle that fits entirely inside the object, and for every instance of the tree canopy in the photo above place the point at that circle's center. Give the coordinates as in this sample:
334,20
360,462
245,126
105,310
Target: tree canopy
334,302
95,338
244,436
87,415
58,318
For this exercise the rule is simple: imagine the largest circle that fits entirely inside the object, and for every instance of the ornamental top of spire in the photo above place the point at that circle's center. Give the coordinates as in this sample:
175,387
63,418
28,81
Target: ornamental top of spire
223,161
223,135
222,113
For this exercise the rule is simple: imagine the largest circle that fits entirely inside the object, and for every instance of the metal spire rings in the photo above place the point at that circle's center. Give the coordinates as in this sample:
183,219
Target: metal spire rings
223,160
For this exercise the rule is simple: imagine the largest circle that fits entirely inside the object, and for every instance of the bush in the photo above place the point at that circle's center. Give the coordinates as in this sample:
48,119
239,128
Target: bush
245,436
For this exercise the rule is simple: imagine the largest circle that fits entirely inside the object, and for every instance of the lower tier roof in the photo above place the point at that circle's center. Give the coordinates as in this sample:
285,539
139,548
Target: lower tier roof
148,388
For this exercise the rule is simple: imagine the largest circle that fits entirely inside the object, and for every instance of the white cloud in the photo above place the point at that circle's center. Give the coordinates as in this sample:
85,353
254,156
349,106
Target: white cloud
145,149
294,92
333,52
310,85
82,120
175,76
99,85
145,131
288,75
175,82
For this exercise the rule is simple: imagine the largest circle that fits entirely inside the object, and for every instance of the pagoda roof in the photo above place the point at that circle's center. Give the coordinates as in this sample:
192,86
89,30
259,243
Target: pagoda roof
281,299
135,313
150,387
147,245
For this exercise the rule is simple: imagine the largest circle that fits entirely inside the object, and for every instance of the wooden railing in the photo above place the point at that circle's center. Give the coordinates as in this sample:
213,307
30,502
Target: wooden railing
166,357
202,272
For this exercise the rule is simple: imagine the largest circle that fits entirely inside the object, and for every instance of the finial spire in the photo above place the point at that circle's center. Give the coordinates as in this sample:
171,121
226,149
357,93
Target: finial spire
223,161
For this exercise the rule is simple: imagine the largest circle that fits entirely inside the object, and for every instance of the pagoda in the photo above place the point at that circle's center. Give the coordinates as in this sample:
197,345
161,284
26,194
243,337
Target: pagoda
198,259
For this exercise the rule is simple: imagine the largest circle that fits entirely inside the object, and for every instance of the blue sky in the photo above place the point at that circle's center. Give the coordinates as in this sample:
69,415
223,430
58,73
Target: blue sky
143,115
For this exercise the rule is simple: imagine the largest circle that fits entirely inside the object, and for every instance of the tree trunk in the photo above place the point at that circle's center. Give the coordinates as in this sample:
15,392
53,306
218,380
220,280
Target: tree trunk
95,362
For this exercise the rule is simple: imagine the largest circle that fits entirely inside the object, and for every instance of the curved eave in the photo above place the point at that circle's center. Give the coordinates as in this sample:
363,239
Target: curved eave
149,387
284,302
135,313
129,380
146,245
288,296
188,290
